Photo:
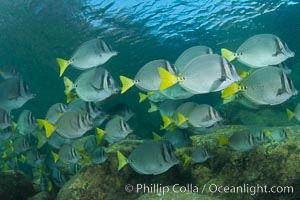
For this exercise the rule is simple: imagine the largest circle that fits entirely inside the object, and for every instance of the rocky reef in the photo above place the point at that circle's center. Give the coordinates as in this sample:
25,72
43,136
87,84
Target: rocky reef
15,186
271,164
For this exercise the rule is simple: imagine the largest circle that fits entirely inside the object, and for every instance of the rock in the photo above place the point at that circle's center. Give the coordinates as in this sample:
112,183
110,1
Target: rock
270,164
43,196
15,186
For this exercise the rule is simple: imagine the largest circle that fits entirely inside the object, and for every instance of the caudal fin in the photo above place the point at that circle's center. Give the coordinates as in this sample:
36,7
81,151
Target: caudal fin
49,128
156,137
181,119
227,54
230,90
126,83
142,96
290,114
167,79
68,85
153,107
122,160
63,64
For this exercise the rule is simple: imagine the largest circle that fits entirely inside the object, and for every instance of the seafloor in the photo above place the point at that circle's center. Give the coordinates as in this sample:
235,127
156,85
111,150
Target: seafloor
270,164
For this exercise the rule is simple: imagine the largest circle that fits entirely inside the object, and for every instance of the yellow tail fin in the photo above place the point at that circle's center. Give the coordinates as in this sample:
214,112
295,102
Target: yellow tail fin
268,133
63,64
86,159
166,120
142,97
71,96
55,156
223,141
230,90
68,85
173,127
242,73
167,79
41,139
227,54
156,137
99,135
187,159
49,128
290,114
14,127
229,99
153,107
23,158
49,186
181,119
4,155
122,160
126,83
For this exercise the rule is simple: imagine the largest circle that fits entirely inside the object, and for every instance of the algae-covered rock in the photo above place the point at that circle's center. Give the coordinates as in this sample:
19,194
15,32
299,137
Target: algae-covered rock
270,164
15,186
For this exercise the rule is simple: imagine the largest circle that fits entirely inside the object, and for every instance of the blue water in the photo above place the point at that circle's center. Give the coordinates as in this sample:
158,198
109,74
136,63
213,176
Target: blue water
35,32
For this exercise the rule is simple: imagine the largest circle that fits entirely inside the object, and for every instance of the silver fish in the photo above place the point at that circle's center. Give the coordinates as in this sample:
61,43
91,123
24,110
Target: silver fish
5,120
260,51
68,154
58,178
116,129
98,156
242,141
190,54
33,158
6,133
90,54
152,157
74,124
94,85
278,134
203,74
55,112
268,86
14,94
21,144
200,155
26,123
203,115
148,78
90,107
178,138
57,141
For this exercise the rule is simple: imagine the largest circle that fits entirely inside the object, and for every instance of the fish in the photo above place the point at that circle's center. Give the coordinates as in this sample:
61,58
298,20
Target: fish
9,72
116,129
90,144
205,130
278,134
98,155
72,124
33,158
6,133
239,141
5,119
295,113
26,123
150,157
57,177
264,86
45,184
67,154
56,141
166,108
89,107
199,155
94,85
21,144
181,114
90,54
178,138
260,50
203,115
261,135
74,168
55,112
176,92
122,110
14,94
204,74
189,54
147,79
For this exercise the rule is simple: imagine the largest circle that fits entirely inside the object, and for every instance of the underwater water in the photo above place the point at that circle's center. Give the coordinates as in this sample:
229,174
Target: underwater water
36,32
